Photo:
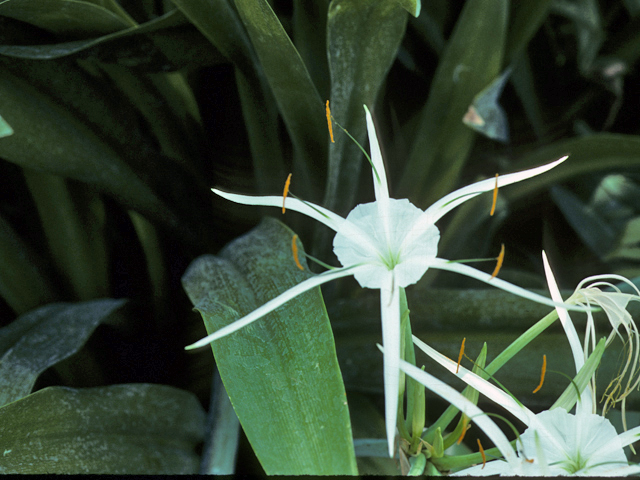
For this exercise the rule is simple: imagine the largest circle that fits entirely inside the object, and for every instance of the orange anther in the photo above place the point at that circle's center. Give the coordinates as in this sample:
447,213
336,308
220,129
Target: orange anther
329,123
484,457
495,197
294,248
544,370
499,263
461,353
286,191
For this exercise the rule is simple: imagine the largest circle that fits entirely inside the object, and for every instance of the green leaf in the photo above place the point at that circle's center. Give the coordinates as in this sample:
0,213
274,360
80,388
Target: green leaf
362,43
119,429
70,18
49,138
472,59
298,101
282,367
219,22
595,153
46,336
525,20
594,230
73,223
24,279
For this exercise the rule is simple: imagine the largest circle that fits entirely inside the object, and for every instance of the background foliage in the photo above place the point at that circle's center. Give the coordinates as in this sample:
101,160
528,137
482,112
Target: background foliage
116,117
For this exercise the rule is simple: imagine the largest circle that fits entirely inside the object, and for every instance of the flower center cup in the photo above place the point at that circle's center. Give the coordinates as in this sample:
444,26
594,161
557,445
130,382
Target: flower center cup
386,245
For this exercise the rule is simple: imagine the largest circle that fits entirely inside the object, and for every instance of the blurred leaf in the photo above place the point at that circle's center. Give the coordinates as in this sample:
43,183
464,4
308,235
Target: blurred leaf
309,34
68,18
223,432
119,429
73,222
164,43
24,281
628,247
593,230
5,128
362,43
47,335
282,367
48,138
411,6
525,20
298,101
595,153
589,33
472,58
485,115
219,22
523,82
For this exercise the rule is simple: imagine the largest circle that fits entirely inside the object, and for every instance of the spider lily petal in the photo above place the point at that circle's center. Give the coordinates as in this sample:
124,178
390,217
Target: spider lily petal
468,408
275,303
487,389
316,212
586,402
390,313
463,269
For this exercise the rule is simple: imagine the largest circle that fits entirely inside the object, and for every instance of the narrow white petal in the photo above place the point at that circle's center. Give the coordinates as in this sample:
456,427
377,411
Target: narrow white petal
630,436
585,405
496,282
380,185
563,315
390,313
273,304
461,403
316,212
489,390
452,200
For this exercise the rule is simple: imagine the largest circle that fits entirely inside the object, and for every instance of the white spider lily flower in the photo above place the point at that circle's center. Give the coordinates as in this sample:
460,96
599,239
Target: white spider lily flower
555,441
388,244
614,304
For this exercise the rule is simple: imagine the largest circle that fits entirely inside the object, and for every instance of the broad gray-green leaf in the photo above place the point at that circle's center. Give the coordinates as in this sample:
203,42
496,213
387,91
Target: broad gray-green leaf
119,429
24,278
48,138
47,335
281,372
362,43
301,107
70,18
472,58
